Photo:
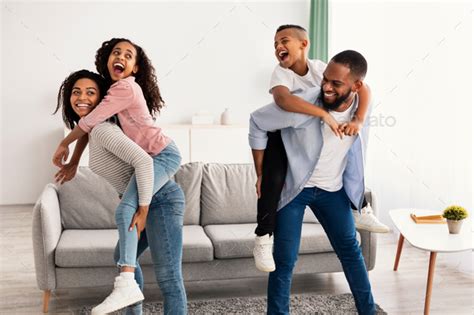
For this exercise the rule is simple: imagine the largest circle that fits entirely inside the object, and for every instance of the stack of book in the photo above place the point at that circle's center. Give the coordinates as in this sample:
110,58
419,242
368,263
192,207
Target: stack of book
428,219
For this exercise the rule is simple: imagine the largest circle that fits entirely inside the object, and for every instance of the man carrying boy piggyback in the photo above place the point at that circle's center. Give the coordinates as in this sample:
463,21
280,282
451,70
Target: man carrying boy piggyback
325,173
296,73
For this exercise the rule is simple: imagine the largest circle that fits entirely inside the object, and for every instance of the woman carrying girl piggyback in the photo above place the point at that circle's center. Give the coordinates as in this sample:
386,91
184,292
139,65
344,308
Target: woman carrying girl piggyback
134,97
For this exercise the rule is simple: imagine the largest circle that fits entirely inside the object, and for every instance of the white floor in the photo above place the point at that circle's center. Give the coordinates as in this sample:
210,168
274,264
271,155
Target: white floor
401,292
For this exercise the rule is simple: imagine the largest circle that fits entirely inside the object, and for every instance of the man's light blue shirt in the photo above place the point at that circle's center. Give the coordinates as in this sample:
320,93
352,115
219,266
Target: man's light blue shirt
303,141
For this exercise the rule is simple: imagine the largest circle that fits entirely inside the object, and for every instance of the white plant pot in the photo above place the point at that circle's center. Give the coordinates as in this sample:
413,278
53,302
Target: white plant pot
454,226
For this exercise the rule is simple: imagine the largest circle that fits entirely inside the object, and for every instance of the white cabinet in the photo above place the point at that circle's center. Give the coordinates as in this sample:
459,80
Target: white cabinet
211,143
203,143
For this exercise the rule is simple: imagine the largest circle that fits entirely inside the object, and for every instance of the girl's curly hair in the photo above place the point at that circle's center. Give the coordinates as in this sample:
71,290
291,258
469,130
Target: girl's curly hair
145,76
70,118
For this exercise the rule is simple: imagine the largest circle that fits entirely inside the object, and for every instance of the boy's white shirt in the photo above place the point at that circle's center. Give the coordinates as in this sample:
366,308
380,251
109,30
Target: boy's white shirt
295,82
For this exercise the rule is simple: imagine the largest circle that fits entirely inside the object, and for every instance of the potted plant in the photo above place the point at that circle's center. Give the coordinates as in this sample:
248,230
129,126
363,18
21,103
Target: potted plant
454,216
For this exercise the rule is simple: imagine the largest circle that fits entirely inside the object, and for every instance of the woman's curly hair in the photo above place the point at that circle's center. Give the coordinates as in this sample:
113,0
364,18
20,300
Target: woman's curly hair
70,118
145,76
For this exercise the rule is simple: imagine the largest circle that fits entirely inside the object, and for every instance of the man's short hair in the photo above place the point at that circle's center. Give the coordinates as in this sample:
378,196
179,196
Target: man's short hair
300,30
354,61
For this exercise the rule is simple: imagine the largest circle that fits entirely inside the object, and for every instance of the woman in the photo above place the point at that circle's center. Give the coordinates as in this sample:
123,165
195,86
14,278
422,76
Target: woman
115,157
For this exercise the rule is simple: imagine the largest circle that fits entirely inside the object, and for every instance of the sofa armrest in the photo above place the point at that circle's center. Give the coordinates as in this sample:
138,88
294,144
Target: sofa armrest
368,239
47,230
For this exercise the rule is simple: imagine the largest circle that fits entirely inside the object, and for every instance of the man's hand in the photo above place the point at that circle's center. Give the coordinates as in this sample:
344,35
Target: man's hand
351,128
258,185
139,219
66,173
333,124
61,154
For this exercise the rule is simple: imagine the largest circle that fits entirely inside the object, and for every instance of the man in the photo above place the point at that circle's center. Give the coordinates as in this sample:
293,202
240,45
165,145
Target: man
325,173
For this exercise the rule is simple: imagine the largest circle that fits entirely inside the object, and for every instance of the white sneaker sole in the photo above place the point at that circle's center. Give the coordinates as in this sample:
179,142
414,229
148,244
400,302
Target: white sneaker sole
373,229
124,303
265,268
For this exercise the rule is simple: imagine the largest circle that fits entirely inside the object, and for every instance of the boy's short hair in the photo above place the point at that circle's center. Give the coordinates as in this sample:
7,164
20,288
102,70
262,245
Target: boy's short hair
300,30
354,61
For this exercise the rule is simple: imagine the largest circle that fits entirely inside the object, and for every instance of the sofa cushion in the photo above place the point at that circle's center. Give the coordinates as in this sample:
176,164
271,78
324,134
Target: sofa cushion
86,248
95,248
237,240
189,177
197,246
228,194
87,202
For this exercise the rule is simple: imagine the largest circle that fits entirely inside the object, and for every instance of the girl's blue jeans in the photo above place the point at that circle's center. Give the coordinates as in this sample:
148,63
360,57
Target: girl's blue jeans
165,165
163,234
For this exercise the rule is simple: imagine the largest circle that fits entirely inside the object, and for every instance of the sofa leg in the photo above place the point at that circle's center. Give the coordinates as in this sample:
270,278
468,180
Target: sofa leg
46,296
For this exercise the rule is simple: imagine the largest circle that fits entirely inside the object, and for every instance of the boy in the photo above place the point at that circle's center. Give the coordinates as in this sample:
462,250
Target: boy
296,72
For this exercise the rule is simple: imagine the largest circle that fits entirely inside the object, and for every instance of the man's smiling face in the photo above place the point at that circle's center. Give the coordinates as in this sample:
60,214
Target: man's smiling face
337,85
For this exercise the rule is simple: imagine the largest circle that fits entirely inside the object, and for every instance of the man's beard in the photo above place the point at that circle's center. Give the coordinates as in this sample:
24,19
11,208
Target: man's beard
336,103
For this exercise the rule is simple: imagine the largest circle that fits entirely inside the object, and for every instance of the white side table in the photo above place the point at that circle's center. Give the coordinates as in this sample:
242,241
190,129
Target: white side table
434,238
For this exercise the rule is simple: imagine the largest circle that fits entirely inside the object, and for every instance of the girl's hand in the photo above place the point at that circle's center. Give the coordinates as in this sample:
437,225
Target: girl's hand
66,173
61,154
333,124
139,219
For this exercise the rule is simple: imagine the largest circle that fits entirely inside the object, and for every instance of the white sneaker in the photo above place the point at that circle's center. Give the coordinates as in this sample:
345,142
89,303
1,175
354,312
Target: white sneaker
366,220
263,253
126,292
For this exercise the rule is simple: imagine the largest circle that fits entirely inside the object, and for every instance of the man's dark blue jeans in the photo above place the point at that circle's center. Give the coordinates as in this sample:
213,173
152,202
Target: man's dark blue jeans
333,211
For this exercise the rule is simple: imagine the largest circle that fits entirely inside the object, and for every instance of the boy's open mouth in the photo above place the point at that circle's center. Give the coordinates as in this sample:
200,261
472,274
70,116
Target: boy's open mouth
118,68
283,55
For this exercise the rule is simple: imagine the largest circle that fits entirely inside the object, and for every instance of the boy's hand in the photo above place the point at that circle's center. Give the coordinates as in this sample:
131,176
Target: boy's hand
258,185
61,154
332,123
139,219
66,173
352,128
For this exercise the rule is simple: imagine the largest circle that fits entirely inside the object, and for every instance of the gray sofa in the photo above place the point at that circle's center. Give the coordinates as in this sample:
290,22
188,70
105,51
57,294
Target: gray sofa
74,231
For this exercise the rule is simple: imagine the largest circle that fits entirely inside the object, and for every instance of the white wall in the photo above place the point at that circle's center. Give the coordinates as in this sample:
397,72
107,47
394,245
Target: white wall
212,55
208,56
420,61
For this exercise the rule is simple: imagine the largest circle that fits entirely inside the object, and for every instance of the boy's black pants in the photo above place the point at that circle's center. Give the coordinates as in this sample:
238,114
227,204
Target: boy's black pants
275,164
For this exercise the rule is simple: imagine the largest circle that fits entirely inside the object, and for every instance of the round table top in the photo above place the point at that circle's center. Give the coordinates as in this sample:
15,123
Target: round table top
432,237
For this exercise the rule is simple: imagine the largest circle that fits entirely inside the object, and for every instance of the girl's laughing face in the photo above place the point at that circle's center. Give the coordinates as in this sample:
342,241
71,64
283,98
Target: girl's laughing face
122,61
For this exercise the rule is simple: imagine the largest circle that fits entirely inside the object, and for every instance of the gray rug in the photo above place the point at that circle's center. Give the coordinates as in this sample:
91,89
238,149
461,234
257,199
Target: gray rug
300,304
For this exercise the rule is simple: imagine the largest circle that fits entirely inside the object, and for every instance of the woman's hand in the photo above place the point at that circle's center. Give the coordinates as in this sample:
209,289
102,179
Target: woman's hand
139,219
61,154
66,173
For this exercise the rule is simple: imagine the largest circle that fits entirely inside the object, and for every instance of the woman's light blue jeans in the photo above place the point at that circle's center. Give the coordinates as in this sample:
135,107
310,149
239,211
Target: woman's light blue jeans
334,213
163,234
165,165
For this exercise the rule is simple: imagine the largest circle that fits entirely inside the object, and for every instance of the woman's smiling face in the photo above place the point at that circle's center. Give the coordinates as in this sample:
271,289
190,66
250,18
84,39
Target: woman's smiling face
84,96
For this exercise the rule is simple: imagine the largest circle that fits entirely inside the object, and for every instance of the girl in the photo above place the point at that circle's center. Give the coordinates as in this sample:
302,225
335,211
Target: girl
134,96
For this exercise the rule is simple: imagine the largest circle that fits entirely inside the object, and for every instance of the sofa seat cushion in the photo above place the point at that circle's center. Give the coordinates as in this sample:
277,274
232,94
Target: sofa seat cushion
95,248
86,248
237,240
197,247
